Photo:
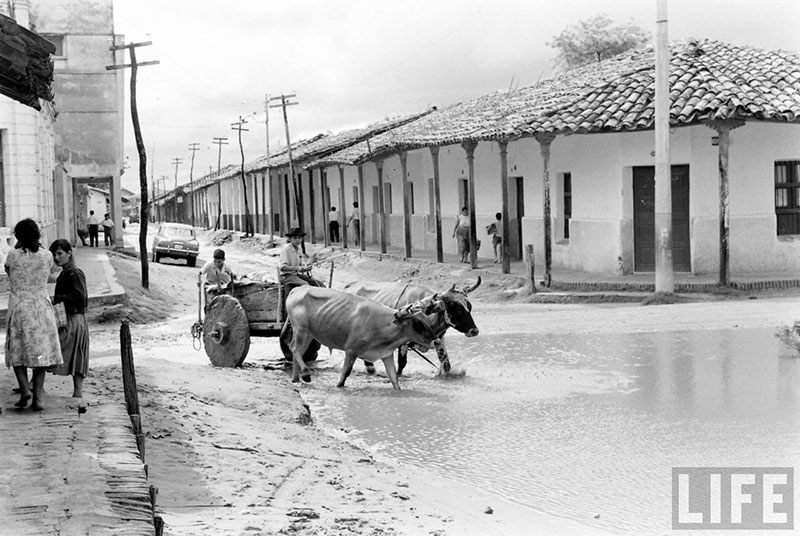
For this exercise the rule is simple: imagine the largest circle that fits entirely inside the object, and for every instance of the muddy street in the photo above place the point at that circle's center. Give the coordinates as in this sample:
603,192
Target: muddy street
237,451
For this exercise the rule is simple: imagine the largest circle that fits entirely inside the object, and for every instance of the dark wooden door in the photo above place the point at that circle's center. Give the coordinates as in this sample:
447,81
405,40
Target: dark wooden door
644,247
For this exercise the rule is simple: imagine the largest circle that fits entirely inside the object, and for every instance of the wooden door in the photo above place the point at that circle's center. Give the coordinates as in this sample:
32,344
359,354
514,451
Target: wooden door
644,246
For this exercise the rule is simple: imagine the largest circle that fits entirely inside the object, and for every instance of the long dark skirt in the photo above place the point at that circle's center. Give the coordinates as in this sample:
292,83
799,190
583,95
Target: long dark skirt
74,346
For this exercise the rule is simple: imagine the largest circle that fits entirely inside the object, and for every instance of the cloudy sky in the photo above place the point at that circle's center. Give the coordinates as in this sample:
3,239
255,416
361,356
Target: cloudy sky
353,62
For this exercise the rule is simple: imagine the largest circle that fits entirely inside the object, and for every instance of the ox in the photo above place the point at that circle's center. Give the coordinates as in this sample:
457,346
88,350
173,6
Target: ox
361,327
453,310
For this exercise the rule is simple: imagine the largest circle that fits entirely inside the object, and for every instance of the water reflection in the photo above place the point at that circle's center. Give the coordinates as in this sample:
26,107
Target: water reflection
579,425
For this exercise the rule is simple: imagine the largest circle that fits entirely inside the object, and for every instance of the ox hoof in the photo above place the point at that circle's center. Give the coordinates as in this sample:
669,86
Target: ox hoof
306,377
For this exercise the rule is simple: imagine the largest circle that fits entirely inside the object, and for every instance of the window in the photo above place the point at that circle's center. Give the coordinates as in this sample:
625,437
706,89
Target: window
787,197
58,41
567,203
463,194
411,197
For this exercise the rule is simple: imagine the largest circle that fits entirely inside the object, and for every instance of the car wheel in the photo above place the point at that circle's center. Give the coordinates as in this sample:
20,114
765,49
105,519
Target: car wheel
191,262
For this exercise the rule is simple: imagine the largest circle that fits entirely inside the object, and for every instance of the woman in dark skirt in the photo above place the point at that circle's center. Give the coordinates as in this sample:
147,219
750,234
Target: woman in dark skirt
71,291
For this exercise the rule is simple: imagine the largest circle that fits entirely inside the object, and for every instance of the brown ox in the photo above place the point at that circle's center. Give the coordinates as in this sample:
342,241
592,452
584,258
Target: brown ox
361,327
453,309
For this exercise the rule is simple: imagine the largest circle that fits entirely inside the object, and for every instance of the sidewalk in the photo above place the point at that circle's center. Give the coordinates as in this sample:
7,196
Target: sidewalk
564,280
72,469
101,282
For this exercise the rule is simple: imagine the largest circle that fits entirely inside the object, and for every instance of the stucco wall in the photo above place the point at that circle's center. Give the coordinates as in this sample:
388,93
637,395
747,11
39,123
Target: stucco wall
602,223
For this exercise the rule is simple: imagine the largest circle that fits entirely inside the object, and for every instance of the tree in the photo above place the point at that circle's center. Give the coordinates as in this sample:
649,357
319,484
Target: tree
596,39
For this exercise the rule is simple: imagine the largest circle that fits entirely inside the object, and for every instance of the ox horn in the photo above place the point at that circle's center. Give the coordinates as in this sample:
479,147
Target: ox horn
469,289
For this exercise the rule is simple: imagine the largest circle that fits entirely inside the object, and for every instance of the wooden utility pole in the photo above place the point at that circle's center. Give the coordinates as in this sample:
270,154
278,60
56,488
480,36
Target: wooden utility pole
268,175
238,126
219,142
437,204
194,147
342,208
407,201
176,162
663,188
298,202
137,132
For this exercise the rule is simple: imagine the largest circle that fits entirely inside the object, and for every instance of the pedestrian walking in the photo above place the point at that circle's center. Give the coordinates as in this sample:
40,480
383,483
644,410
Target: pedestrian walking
354,222
31,331
93,229
108,230
333,224
74,338
495,230
461,233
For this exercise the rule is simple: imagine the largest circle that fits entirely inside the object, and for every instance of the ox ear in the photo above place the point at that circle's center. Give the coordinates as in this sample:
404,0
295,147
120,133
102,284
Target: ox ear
468,289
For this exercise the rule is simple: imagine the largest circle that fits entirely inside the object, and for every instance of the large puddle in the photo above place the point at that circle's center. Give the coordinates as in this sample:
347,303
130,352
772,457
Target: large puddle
587,424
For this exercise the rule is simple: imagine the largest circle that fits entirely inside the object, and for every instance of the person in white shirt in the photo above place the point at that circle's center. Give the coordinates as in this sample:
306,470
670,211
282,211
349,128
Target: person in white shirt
93,229
216,272
294,264
108,230
355,221
333,224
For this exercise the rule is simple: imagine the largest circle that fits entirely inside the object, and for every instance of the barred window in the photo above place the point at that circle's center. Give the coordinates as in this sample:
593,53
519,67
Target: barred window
787,196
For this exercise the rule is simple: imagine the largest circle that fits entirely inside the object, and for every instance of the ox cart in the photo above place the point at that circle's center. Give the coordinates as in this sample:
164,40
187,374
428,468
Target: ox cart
234,313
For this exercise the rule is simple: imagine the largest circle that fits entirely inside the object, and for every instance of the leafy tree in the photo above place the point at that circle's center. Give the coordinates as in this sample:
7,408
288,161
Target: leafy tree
596,39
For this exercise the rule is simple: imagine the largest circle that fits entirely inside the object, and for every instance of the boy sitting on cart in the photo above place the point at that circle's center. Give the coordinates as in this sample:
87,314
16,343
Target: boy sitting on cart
218,275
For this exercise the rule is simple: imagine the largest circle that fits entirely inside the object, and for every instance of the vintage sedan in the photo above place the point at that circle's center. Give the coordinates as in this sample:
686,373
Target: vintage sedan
176,241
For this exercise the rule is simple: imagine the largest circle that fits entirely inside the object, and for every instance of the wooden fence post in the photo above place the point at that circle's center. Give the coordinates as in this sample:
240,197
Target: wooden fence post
529,263
129,385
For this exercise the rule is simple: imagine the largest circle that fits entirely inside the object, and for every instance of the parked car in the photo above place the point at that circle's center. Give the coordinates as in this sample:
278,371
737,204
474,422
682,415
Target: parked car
134,218
176,241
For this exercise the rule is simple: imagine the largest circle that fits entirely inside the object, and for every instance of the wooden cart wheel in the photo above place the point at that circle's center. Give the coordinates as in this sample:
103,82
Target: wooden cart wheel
226,333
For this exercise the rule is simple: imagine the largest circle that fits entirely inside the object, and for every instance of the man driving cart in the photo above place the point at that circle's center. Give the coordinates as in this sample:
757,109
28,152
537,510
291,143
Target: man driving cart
294,264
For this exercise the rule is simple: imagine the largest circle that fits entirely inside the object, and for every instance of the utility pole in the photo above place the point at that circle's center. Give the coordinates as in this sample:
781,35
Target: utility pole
269,175
194,147
137,132
176,162
663,180
298,203
239,126
219,142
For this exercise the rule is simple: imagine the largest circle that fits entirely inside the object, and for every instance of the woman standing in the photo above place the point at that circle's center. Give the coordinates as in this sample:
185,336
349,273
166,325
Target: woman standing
31,332
71,291
461,233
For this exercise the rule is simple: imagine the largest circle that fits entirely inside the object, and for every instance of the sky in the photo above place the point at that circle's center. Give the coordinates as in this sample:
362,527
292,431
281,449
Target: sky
354,62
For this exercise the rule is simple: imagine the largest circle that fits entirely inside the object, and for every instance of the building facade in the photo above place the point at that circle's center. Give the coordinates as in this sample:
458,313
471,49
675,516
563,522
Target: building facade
89,102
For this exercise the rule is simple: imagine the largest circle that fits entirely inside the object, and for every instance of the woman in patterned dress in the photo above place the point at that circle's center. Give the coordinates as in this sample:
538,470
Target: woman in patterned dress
71,291
31,332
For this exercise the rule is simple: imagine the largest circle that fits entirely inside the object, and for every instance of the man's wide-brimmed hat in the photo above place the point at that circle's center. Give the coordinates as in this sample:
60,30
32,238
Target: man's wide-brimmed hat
295,231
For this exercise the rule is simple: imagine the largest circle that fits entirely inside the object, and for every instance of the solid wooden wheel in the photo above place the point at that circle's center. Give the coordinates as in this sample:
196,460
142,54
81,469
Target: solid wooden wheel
226,333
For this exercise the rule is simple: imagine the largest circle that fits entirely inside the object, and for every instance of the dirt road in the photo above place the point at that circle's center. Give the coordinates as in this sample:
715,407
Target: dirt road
235,451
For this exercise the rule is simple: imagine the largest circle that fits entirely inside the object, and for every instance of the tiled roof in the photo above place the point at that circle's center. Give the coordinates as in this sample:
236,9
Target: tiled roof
708,80
325,144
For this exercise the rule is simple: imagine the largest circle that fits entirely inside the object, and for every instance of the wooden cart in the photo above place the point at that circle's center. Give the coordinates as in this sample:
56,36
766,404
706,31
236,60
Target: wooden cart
234,314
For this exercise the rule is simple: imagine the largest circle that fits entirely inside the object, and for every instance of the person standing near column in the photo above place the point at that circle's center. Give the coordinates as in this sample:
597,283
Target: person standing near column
333,224
108,230
93,229
354,222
